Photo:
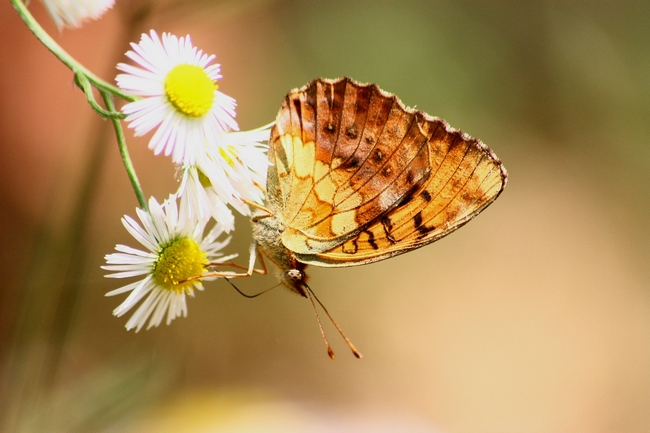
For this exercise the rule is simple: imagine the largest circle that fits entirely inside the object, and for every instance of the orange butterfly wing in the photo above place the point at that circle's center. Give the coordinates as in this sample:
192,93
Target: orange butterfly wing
357,177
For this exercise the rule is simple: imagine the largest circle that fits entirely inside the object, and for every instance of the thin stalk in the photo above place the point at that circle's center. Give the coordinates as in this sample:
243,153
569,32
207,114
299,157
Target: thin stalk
124,152
84,84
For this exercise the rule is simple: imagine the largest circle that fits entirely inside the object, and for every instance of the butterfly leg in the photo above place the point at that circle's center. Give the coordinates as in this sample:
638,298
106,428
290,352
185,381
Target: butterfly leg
254,254
267,212
250,270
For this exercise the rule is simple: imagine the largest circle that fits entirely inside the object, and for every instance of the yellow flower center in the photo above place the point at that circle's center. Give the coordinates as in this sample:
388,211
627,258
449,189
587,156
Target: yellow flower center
179,260
190,90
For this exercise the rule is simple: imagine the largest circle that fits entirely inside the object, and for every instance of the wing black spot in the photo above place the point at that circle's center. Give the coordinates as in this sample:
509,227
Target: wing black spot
371,239
424,230
387,223
417,220
352,132
330,128
425,195
419,226
388,227
297,106
351,164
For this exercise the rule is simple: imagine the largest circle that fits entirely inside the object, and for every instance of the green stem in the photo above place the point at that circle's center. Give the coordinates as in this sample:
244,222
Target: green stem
124,152
62,55
84,84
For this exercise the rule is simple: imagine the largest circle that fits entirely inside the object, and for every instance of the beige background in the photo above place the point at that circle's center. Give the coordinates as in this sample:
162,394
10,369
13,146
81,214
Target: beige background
535,317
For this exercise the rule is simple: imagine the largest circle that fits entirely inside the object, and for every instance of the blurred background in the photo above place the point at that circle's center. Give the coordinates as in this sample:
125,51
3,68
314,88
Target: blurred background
535,317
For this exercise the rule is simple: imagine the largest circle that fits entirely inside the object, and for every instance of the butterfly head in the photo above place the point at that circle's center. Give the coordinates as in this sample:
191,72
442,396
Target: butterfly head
295,278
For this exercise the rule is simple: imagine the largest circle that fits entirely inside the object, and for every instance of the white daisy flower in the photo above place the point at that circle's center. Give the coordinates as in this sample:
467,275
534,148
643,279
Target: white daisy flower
235,171
179,95
71,13
176,250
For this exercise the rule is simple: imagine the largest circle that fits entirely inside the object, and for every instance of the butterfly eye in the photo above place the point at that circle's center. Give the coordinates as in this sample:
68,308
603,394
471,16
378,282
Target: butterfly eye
295,275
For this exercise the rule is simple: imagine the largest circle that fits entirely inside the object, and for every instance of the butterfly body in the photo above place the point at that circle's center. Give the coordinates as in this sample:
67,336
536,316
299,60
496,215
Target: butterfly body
356,177
267,233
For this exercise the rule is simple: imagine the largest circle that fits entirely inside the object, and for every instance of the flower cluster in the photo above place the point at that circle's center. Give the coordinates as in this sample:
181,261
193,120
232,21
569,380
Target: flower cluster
220,169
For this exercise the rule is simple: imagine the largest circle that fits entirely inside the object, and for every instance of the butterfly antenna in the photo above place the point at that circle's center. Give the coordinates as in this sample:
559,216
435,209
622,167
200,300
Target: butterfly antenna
311,297
250,296
347,340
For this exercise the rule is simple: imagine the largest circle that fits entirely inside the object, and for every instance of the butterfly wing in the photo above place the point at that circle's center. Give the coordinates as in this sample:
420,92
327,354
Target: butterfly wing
342,154
357,177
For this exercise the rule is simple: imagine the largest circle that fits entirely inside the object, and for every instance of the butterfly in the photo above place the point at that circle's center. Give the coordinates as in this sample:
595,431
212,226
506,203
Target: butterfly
356,177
